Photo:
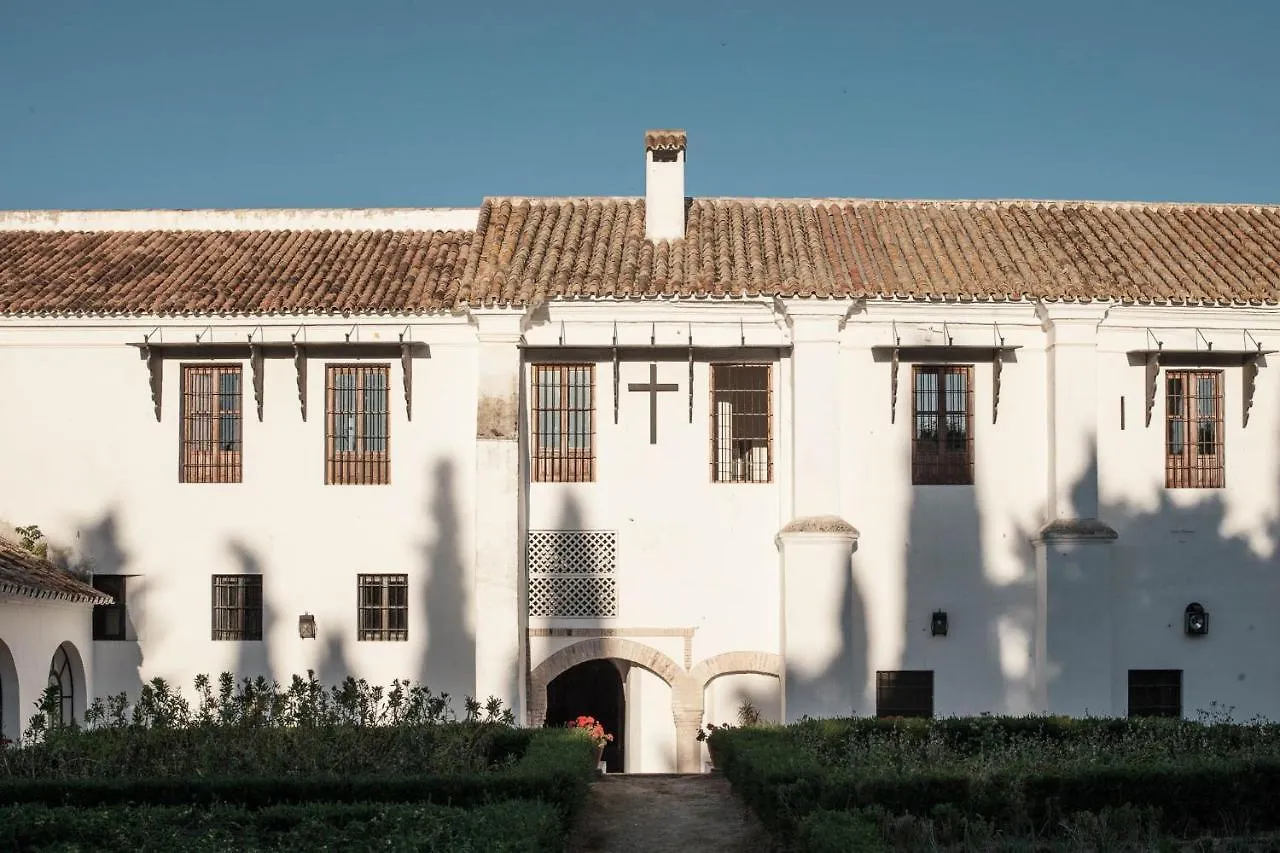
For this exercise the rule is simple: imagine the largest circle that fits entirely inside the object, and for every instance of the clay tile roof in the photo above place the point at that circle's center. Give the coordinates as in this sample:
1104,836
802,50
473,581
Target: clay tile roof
23,573
229,272
531,249
665,140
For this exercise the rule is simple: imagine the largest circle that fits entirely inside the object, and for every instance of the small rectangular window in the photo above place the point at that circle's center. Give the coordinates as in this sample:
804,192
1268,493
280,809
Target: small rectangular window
741,423
904,693
563,446
109,619
384,607
357,425
1193,429
237,607
942,425
211,441
1155,693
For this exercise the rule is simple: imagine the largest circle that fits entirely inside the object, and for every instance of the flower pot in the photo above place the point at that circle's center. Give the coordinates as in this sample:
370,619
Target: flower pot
600,757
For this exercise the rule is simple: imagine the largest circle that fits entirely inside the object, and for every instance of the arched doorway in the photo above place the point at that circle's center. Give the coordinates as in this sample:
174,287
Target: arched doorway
9,723
593,688
62,677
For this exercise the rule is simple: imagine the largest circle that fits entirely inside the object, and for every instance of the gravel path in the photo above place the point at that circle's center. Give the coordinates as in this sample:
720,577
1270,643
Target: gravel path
660,813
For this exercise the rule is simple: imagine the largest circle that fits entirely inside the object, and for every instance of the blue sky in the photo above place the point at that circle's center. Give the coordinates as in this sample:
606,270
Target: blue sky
421,104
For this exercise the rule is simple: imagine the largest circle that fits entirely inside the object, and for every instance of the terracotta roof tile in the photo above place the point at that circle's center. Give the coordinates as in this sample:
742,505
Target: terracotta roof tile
23,573
665,140
230,272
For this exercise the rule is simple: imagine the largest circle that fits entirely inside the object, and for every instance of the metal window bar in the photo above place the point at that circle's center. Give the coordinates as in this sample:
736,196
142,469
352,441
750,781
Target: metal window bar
742,423
109,619
383,607
1155,693
563,447
237,607
942,425
62,678
211,424
357,425
1194,433
904,693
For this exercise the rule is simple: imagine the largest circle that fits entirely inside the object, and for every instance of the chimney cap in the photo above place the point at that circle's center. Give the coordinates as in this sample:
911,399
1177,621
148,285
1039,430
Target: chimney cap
665,140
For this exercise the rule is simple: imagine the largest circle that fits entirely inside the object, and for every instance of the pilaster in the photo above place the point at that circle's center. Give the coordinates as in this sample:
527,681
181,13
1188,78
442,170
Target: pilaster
500,641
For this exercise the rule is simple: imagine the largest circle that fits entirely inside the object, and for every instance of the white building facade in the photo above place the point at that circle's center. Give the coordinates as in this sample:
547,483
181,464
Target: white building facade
830,457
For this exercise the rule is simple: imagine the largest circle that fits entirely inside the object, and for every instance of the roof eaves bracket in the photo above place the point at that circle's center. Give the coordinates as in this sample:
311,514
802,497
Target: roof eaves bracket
256,357
300,365
690,336
155,371
616,373
406,370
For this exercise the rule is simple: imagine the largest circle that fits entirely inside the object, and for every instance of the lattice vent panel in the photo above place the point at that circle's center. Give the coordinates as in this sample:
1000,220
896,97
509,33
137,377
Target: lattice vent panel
572,573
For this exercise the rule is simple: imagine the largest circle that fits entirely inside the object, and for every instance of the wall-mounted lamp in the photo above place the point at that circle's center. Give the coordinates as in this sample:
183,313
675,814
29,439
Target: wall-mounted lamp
938,624
307,626
1197,621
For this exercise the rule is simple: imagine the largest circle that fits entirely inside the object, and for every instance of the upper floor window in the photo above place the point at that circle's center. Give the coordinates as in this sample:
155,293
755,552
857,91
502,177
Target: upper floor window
741,423
563,423
384,607
109,619
237,607
357,425
211,424
1193,416
942,425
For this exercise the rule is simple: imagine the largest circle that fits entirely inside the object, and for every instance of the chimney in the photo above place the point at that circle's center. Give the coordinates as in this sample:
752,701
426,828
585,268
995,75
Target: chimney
664,184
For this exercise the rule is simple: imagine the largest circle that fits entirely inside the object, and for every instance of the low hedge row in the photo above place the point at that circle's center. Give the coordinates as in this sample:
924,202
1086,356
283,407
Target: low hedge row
784,783
557,767
510,827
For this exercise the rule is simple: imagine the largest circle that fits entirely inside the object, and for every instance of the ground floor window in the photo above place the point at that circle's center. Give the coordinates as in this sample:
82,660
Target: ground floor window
1155,693
237,607
904,693
384,607
62,680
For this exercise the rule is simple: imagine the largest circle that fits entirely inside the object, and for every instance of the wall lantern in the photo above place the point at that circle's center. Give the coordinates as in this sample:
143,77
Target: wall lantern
307,626
938,624
1197,620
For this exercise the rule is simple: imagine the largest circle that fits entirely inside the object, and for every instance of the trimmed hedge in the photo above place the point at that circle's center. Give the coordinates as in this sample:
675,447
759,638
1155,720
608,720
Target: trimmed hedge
510,827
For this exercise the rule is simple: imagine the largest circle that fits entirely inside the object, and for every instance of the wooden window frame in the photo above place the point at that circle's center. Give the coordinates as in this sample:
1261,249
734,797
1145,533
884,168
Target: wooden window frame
361,466
203,458
740,470
115,586
1190,467
562,463
888,683
932,463
374,619
1151,682
240,606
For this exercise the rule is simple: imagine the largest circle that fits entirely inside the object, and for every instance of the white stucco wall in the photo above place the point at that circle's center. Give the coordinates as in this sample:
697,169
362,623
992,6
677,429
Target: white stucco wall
30,633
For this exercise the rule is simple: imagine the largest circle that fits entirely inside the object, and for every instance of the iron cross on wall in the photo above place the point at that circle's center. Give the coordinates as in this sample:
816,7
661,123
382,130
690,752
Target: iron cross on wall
652,389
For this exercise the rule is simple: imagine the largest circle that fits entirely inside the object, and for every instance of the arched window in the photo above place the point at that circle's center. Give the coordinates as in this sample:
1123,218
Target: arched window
61,677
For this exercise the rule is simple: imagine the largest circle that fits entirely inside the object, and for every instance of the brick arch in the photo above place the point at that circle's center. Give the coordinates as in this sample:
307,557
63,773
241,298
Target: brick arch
635,653
733,663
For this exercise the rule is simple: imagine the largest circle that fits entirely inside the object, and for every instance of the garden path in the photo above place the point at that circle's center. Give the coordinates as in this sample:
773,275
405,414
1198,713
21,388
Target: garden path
658,813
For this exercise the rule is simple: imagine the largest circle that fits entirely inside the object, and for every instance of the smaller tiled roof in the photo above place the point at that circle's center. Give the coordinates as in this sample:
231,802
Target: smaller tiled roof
665,140
229,272
24,574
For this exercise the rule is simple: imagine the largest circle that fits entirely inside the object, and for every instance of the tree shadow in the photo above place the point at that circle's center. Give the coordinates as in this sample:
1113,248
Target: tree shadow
253,657
116,664
449,659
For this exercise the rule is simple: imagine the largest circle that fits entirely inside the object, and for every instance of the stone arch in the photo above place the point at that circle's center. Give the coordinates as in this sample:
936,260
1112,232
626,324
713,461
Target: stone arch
638,654
735,663
66,672
10,725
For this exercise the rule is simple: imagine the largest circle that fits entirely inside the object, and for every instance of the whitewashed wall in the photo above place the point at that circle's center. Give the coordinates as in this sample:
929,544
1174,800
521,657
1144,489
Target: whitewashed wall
31,631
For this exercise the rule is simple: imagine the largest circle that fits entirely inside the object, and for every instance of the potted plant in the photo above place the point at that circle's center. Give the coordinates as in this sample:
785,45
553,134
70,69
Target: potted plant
595,731
704,736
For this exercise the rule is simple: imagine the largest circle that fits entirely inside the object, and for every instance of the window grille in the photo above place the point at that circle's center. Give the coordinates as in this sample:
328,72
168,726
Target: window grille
904,693
109,619
384,607
1194,430
741,427
357,426
237,607
1155,693
942,425
211,422
572,573
62,679
563,423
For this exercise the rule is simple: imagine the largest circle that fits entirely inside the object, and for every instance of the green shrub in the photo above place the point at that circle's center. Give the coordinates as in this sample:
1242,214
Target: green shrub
524,826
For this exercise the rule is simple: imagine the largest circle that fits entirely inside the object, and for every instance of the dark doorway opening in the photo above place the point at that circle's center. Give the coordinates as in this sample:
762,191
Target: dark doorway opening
593,688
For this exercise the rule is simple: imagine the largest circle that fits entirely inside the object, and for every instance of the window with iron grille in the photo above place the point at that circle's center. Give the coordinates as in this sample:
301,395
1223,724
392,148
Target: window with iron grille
741,423
1194,433
1155,693
384,607
942,425
109,619
563,423
211,439
237,607
357,425
904,693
